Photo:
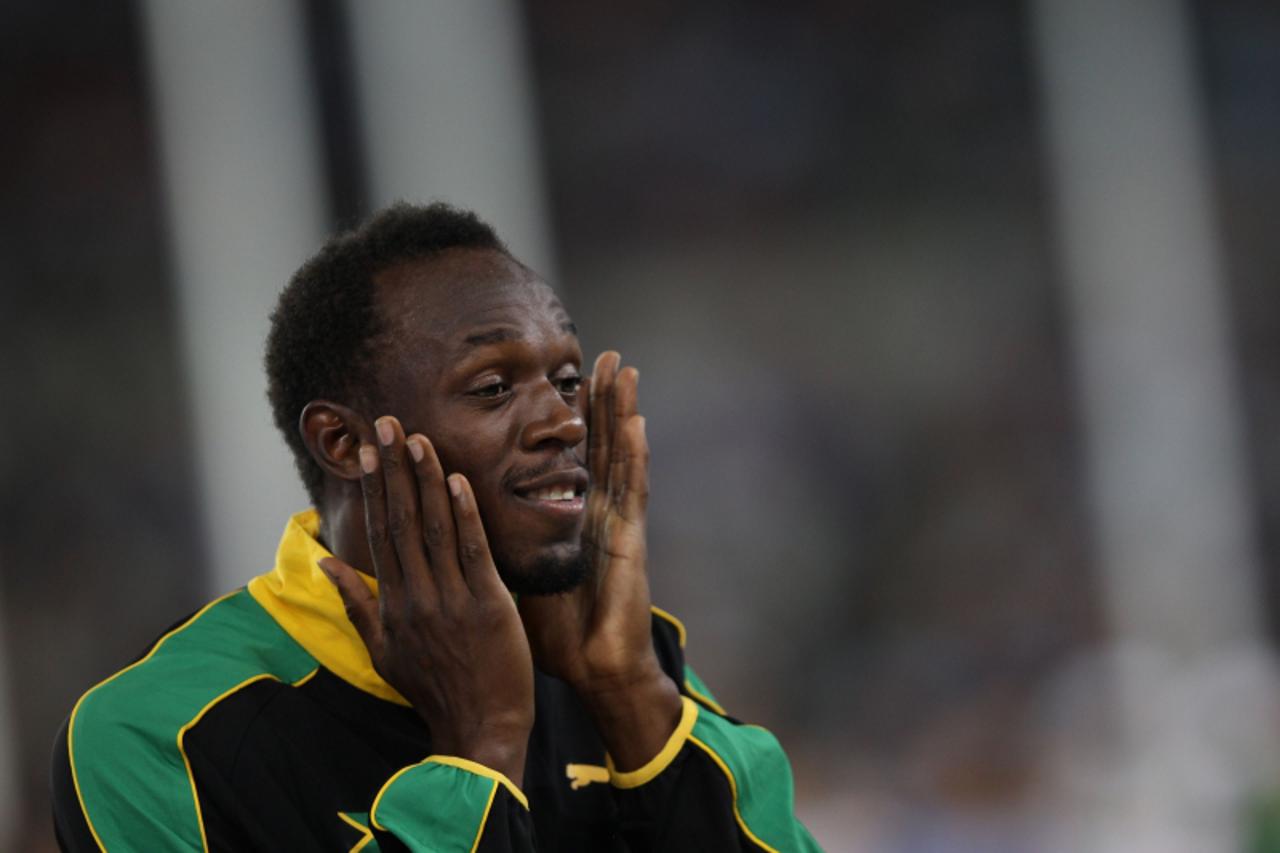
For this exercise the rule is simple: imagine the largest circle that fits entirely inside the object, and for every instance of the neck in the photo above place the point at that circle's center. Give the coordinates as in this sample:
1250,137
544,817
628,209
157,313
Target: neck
342,528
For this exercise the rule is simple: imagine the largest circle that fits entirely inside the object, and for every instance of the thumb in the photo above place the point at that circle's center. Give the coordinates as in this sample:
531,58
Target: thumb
360,604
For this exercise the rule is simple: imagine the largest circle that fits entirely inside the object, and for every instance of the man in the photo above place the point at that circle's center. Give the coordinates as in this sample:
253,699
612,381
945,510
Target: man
382,687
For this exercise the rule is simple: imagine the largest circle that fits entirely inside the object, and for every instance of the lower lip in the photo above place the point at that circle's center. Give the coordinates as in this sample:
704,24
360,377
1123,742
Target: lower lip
561,509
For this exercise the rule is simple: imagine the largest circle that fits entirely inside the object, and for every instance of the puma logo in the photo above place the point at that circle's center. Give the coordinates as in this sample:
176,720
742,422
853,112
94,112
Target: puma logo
581,775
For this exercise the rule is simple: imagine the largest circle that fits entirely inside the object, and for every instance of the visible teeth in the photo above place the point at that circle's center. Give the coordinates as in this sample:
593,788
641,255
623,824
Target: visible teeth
554,493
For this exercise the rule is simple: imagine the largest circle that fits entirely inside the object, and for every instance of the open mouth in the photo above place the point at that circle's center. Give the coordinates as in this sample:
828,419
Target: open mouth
559,491
553,493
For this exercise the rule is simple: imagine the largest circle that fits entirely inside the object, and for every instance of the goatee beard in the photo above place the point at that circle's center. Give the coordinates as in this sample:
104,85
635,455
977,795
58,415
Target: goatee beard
549,575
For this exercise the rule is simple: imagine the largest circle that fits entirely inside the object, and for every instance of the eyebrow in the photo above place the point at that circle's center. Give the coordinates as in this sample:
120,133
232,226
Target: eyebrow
493,336
503,334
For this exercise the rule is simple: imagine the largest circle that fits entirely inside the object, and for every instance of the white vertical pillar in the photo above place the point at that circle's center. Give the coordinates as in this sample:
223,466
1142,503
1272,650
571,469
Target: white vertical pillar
246,207
448,114
1150,332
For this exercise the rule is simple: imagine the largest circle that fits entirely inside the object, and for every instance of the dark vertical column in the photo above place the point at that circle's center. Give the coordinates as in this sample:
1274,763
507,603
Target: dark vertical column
100,539
338,111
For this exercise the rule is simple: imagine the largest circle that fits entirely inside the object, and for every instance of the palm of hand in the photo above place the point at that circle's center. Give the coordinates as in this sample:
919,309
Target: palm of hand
596,637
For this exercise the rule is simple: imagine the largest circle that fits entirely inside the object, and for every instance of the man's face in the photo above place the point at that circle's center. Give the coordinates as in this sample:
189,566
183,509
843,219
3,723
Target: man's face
480,357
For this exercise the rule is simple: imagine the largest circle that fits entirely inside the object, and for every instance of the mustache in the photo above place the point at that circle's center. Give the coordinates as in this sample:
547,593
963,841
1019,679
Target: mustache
567,461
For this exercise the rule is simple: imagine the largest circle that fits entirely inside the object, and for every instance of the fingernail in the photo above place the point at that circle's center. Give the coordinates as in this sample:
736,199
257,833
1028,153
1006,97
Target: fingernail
415,450
385,433
455,485
368,459
324,568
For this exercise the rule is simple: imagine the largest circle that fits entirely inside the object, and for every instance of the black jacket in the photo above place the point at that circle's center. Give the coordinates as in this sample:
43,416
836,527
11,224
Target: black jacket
259,724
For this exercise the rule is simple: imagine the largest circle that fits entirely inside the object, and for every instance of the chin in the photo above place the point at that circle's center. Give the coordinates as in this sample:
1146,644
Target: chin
550,573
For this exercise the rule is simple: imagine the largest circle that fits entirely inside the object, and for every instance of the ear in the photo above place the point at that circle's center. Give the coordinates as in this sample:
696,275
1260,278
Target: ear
332,433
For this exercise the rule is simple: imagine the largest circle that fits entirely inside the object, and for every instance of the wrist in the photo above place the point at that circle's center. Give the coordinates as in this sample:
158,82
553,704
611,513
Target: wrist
498,750
635,719
508,762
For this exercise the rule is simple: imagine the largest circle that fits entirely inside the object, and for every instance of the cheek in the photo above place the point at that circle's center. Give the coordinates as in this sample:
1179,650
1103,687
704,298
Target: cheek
477,453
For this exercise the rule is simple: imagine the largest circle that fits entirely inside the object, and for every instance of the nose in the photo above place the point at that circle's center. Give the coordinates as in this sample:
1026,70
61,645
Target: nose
553,420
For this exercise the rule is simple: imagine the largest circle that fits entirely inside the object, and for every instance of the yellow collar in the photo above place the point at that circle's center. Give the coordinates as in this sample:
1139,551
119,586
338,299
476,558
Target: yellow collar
307,606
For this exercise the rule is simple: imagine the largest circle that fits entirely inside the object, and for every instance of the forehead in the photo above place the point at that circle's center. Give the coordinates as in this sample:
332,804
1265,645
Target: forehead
433,306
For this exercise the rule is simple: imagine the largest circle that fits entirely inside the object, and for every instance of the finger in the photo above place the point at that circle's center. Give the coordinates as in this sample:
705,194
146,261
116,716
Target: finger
438,530
404,526
600,421
359,602
473,547
633,500
386,565
624,406
582,405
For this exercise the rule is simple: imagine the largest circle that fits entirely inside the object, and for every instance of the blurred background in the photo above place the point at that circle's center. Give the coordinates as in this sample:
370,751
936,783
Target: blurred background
958,326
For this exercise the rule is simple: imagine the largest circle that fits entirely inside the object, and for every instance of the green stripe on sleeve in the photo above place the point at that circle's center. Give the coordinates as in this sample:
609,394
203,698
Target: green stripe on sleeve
760,779
123,741
434,806
695,687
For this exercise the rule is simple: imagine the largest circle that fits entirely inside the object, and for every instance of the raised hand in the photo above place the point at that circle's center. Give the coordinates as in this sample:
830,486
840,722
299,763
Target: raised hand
597,637
443,629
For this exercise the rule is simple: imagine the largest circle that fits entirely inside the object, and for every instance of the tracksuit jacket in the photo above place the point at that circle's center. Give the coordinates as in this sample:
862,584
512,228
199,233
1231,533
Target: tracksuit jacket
259,723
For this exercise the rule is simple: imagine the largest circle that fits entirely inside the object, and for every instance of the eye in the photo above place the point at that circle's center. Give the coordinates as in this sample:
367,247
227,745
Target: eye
491,390
568,385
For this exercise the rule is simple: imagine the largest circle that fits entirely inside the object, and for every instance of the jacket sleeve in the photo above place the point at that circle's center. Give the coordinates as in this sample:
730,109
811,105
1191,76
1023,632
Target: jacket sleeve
476,809
69,823
134,795
480,809
717,784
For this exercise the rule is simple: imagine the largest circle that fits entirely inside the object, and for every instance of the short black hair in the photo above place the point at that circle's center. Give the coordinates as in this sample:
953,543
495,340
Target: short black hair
323,330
